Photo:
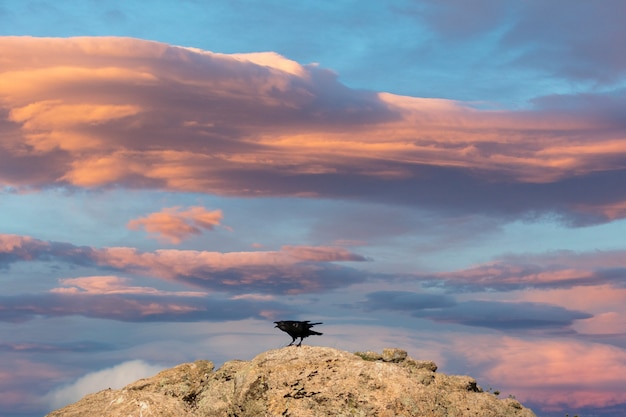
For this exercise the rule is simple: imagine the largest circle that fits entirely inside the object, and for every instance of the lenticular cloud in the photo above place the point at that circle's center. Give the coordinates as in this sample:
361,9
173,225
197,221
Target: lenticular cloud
101,112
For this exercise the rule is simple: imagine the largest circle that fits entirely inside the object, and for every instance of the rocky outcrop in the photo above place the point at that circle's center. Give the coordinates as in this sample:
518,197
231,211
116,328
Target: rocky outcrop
301,382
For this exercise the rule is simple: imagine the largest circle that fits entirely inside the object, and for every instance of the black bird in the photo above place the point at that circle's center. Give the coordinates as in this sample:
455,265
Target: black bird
297,329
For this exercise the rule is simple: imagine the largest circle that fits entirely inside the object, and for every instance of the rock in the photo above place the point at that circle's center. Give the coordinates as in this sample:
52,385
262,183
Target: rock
369,355
429,365
302,381
394,355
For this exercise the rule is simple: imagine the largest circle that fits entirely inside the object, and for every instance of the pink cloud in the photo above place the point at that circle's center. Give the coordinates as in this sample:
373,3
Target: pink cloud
175,224
293,269
14,243
589,297
321,253
556,373
113,285
611,211
114,306
564,269
607,304
500,273
609,323
19,380
181,261
98,111
129,304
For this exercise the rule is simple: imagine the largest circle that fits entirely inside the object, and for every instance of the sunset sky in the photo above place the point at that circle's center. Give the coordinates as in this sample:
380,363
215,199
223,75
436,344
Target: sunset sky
443,176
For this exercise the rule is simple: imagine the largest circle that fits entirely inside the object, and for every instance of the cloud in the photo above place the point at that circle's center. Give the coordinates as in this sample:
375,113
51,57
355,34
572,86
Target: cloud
174,224
406,301
605,301
246,278
550,38
291,270
562,374
543,36
16,248
111,297
113,285
322,254
559,269
99,112
133,307
459,20
609,323
29,347
506,316
22,381
114,377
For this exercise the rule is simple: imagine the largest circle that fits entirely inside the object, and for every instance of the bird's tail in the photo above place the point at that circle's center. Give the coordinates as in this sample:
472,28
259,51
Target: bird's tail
315,333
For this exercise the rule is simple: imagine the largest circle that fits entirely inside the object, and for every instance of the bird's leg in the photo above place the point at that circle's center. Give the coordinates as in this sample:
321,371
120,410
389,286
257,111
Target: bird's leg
292,342
299,344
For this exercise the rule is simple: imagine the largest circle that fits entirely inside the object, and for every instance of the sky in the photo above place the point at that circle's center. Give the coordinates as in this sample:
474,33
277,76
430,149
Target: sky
443,176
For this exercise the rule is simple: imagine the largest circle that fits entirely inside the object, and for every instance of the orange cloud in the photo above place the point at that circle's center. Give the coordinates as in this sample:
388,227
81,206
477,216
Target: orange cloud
174,224
103,111
172,262
51,115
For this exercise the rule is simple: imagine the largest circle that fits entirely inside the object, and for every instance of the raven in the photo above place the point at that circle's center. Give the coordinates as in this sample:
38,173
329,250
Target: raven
297,329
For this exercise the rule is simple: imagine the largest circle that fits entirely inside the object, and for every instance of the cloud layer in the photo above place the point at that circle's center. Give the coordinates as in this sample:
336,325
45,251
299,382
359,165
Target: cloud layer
100,112
241,285
509,316
562,269
291,270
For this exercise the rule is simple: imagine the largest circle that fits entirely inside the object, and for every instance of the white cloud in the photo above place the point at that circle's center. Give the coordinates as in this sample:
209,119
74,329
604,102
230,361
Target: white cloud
115,377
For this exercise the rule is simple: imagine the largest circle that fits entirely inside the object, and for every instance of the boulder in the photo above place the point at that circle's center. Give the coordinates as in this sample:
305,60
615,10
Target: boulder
302,381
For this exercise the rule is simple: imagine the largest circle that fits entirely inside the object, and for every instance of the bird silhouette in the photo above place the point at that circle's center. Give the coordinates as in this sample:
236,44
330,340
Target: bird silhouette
297,329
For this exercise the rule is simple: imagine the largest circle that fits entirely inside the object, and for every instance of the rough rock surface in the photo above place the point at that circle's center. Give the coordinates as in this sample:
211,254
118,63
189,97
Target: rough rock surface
301,382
